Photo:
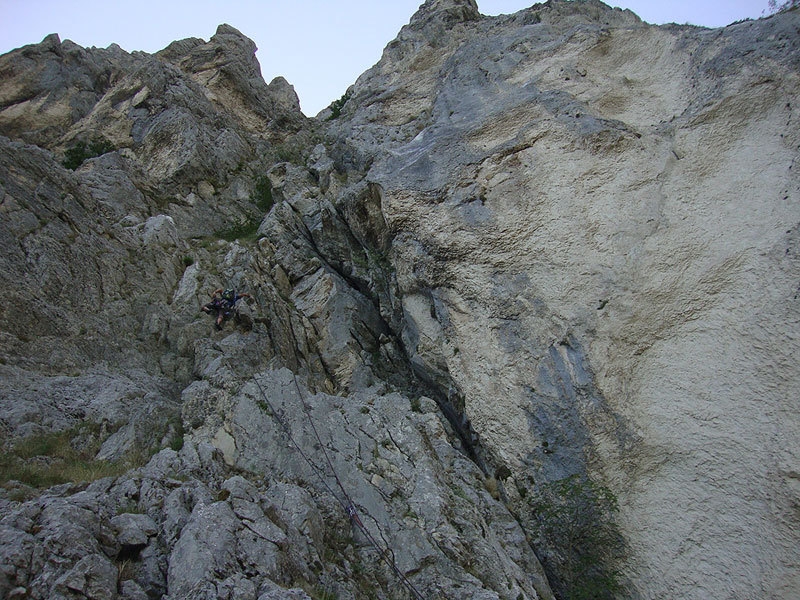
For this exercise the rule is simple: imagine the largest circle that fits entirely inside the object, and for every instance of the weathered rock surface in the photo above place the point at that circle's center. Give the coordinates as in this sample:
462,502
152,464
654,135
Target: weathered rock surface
185,526
532,290
594,231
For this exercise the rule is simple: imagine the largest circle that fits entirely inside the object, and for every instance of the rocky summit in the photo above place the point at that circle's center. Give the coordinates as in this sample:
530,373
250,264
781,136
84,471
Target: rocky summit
521,316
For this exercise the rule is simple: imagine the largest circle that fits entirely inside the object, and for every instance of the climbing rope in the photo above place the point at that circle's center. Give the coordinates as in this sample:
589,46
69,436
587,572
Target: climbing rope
386,553
282,422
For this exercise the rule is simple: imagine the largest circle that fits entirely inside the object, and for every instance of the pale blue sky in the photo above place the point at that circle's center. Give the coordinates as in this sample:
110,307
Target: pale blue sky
319,46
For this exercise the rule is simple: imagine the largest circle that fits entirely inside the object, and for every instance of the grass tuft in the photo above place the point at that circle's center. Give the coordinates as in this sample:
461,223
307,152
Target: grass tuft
52,458
49,459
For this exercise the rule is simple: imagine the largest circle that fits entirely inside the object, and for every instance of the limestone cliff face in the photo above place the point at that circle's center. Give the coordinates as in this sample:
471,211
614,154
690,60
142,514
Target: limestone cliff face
530,295
594,227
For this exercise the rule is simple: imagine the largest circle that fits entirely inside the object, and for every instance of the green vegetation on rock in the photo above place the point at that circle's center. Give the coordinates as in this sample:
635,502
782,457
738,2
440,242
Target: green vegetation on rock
262,194
576,516
47,459
81,151
245,231
338,105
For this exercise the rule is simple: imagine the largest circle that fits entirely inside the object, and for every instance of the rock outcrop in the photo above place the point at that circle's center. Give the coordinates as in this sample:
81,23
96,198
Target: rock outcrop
523,316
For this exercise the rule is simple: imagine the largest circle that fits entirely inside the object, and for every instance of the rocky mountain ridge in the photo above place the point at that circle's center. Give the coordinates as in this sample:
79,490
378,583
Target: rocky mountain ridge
524,307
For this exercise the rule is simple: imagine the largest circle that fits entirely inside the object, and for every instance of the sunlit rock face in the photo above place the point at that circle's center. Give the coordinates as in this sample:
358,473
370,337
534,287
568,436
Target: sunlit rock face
526,299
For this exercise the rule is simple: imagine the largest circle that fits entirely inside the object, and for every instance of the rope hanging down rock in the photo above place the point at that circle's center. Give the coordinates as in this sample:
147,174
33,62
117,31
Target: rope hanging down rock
386,553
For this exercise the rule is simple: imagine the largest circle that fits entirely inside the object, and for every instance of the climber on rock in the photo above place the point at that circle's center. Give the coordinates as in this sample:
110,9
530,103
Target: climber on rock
223,304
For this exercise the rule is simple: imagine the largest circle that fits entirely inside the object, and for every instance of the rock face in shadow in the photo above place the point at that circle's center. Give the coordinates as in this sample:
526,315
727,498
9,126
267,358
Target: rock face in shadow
522,316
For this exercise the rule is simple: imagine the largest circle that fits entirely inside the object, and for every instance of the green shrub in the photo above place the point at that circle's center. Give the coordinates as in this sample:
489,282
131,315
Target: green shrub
262,194
246,230
177,443
176,424
81,151
502,472
337,106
